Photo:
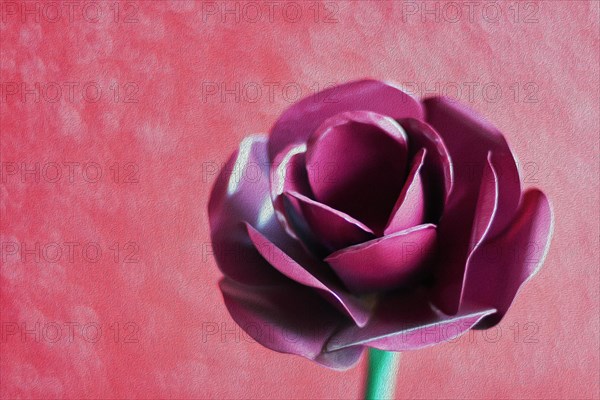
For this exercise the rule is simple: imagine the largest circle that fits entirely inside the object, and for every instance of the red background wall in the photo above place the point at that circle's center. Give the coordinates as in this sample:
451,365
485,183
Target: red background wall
128,90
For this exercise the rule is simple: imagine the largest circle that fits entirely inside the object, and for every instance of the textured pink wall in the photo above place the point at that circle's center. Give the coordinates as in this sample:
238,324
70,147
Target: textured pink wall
133,90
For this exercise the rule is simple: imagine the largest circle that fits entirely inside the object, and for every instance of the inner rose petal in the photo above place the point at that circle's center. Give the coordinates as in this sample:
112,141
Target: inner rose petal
409,209
356,163
387,262
333,228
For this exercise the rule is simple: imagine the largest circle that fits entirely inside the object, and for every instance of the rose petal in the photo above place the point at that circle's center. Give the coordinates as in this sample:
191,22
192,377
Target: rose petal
291,319
487,205
356,163
299,121
288,173
509,191
333,228
406,322
442,330
497,269
468,139
384,263
236,198
437,171
315,277
409,210
341,359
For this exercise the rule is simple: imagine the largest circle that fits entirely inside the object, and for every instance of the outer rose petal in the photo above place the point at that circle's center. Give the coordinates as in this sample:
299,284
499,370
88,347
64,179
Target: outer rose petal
498,268
288,173
333,228
290,319
406,322
311,273
409,210
234,199
468,139
356,163
485,211
487,203
386,262
341,359
509,190
299,121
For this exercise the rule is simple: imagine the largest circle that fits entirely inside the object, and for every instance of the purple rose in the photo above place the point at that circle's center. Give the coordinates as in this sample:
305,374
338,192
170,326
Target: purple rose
369,219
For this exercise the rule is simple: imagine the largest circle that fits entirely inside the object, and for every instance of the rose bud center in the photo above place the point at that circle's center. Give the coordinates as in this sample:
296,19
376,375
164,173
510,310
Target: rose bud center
357,163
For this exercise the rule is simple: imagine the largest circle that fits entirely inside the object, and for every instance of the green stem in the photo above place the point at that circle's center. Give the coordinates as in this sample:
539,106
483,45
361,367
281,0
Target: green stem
381,377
